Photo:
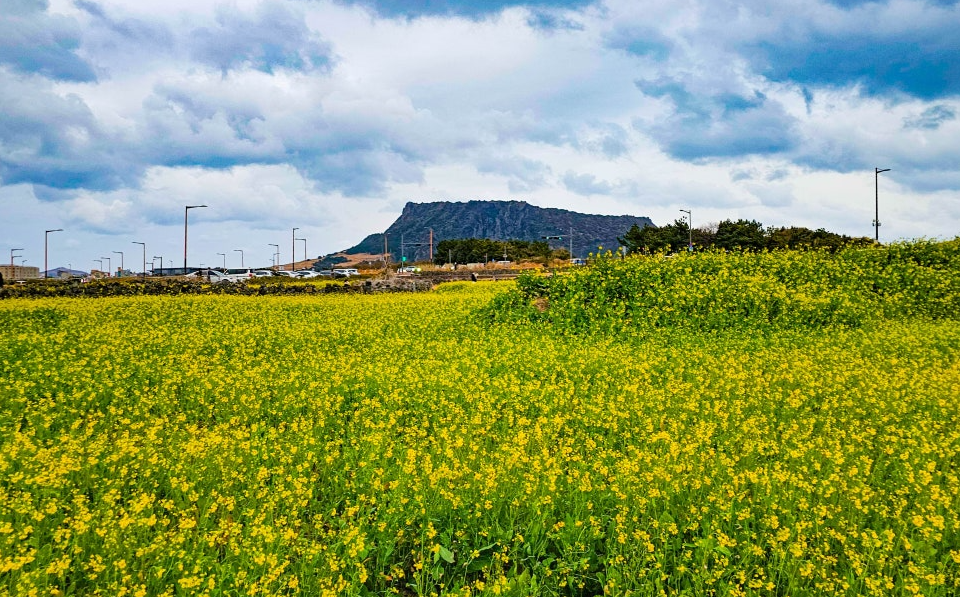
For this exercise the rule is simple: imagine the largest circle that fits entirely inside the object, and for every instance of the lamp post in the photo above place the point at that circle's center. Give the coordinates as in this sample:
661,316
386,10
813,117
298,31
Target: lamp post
186,210
241,256
121,260
876,205
689,229
154,267
293,249
12,269
109,271
144,245
46,233
100,261
276,253
224,260
304,248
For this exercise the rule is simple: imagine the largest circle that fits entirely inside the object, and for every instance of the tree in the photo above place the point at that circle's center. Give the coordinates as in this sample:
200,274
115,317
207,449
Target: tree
635,239
804,238
651,239
478,250
746,235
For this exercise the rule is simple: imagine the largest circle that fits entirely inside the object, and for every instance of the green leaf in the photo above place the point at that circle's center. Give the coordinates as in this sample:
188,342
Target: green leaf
446,554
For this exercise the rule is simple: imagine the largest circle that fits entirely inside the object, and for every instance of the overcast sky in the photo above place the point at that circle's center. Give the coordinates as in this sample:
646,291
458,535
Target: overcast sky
330,115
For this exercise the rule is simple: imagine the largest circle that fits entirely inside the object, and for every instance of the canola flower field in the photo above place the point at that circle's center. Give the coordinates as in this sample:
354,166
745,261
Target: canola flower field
481,440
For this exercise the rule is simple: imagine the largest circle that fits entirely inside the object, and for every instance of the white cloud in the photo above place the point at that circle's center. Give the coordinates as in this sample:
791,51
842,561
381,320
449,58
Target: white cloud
326,116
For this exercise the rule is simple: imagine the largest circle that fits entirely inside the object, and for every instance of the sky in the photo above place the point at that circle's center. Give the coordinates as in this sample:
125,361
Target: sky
329,115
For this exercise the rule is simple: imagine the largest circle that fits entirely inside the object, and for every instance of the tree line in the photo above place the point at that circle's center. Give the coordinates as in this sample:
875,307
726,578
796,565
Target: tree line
743,235
482,250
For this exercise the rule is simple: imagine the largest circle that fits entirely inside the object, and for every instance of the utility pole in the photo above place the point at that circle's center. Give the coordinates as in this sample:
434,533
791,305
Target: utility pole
276,253
431,245
293,248
186,209
876,188
45,234
689,229
144,245
304,248
121,260
12,267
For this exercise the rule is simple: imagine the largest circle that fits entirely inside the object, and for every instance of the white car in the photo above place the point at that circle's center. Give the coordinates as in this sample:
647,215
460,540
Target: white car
345,272
285,273
306,273
240,274
210,275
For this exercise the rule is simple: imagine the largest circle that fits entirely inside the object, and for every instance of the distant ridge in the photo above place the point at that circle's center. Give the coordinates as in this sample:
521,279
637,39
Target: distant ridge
497,220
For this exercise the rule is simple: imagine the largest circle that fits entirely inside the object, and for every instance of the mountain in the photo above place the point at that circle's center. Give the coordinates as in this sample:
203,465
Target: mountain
497,220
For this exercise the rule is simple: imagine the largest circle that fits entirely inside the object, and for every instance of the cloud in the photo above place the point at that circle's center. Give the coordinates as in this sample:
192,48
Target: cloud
887,48
468,8
33,41
523,174
718,126
931,118
275,37
587,184
55,141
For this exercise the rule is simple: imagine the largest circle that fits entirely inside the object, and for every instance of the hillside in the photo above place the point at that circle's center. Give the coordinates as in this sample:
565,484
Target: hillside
497,220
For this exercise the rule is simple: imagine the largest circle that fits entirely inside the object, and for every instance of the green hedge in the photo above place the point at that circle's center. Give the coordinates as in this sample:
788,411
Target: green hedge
717,290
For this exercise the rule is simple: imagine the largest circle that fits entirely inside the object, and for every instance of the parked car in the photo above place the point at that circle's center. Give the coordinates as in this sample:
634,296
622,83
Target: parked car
306,273
408,269
210,275
262,273
241,274
286,273
345,272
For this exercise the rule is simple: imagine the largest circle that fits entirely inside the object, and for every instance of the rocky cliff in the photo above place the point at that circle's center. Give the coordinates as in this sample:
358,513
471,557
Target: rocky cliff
497,220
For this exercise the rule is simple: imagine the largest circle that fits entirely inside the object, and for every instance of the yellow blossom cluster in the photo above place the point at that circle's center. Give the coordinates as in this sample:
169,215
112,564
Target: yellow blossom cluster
399,444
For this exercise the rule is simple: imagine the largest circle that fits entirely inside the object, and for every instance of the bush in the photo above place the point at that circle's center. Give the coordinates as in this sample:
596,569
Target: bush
718,290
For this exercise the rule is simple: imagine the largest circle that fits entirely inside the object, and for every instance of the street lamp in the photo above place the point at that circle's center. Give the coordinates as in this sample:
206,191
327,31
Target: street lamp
689,229
304,248
121,260
186,210
876,188
276,253
109,270
241,256
45,234
293,249
224,260
100,261
144,245
153,265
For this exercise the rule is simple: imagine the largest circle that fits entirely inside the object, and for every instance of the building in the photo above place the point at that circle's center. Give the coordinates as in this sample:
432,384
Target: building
63,273
19,272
